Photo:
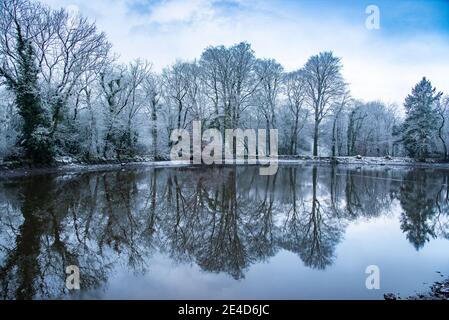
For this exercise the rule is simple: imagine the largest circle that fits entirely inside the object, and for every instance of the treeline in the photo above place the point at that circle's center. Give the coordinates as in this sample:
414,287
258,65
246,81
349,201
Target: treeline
64,93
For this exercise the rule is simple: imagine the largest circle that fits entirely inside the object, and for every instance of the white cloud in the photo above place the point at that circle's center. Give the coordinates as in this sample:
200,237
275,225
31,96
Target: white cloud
181,11
377,67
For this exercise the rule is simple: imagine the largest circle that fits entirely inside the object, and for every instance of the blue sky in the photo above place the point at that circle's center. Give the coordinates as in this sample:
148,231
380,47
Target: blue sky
399,17
384,64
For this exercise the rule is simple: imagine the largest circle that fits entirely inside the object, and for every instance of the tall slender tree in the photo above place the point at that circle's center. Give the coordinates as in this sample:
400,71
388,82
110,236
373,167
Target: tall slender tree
325,85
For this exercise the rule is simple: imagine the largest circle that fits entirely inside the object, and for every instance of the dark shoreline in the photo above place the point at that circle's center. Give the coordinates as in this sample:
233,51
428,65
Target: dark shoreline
79,168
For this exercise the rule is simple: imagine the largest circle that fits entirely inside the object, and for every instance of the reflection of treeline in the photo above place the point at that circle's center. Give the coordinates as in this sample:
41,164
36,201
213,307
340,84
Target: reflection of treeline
224,220
41,235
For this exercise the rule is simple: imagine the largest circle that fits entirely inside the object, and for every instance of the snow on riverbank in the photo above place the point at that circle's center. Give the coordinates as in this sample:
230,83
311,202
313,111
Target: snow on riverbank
69,165
364,161
7,170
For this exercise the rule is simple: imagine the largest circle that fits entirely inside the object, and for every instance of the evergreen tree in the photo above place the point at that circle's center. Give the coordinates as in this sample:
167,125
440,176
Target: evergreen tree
419,127
34,132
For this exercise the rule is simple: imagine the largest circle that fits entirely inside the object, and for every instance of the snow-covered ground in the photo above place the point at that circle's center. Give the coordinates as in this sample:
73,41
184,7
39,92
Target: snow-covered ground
68,165
359,160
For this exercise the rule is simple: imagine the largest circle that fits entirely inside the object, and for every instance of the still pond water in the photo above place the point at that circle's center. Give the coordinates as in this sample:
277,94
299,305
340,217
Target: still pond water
224,233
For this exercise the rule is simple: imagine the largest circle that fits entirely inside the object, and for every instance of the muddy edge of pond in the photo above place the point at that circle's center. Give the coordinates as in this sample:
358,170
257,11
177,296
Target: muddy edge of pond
439,290
10,171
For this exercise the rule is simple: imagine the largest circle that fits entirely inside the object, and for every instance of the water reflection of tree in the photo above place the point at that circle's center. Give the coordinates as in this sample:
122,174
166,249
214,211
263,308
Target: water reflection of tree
34,263
368,192
224,248
311,228
423,197
442,206
21,265
222,219
211,223
121,220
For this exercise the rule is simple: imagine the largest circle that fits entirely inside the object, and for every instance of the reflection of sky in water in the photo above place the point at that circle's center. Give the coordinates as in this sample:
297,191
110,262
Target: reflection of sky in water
378,241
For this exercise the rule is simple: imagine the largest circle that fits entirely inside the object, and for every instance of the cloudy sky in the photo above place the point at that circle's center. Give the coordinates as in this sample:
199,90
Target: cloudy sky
412,42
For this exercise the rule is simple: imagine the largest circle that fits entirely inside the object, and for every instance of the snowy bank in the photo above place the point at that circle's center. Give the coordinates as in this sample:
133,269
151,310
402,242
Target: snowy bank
365,161
71,165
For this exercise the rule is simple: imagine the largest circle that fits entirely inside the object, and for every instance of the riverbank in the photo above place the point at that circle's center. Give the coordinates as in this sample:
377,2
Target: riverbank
367,161
438,291
76,167
70,165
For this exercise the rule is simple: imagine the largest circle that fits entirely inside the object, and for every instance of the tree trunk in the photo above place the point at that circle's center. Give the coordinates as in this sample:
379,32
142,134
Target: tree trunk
334,138
315,139
440,135
268,137
295,135
154,130
179,114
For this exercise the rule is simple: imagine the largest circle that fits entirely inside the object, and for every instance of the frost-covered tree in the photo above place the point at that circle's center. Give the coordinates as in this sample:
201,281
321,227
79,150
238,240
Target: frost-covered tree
123,91
53,51
325,86
270,80
297,113
270,74
176,88
370,130
10,124
420,125
337,111
230,81
153,90
20,74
